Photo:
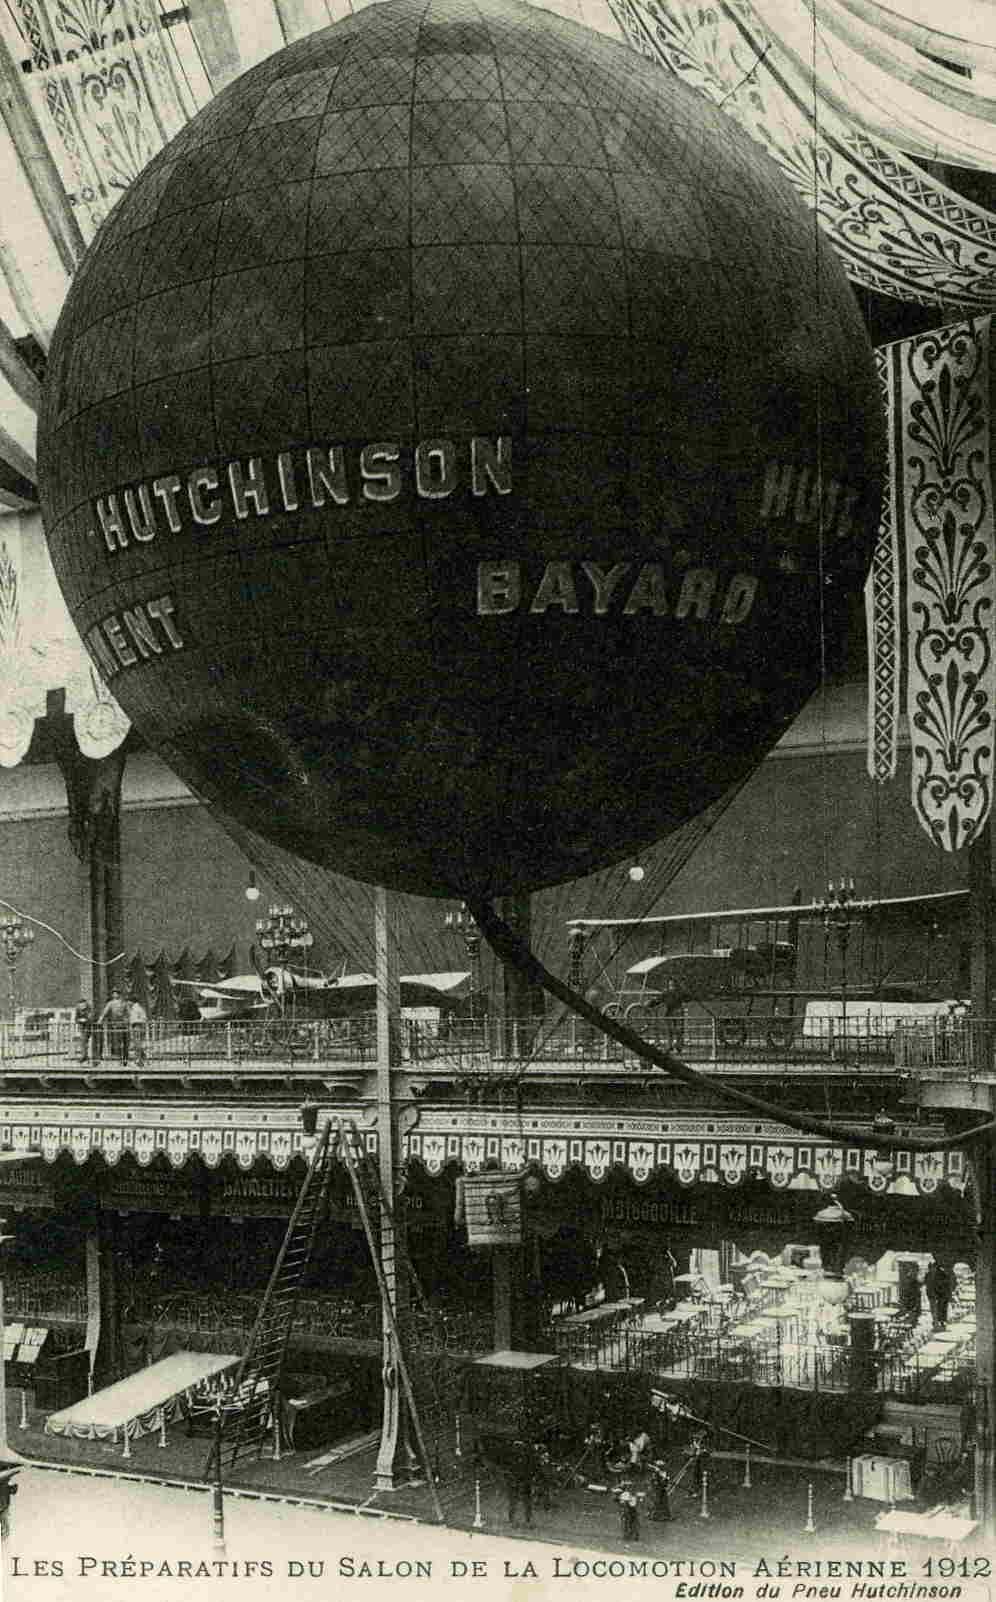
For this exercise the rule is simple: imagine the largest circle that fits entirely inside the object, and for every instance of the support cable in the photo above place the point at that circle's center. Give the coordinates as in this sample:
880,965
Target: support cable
509,948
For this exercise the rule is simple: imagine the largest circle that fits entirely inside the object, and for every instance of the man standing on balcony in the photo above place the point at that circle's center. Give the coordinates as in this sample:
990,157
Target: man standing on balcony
83,1020
138,1020
115,1018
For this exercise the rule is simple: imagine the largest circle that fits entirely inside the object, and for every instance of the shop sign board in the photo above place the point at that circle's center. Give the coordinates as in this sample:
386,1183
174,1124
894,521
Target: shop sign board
743,1219
274,1196
147,1190
28,1184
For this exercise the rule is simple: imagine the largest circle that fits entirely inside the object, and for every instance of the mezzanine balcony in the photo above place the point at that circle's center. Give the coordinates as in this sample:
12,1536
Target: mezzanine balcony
176,1055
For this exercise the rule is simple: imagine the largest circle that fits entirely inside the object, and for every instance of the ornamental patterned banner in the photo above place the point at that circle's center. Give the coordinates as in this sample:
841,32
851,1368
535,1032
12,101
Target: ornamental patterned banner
705,1150
931,596
109,89
882,602
895,228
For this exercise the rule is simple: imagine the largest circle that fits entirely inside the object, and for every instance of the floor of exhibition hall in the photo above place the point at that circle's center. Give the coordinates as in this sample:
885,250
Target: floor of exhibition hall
784,1503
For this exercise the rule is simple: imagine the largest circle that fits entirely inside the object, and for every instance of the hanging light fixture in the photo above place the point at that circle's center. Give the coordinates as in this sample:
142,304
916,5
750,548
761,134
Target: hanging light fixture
882,1161
834,1224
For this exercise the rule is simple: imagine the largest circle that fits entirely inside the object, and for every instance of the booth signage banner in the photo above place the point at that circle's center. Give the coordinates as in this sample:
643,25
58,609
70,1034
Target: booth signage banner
263,1197
772,1223
274,1196
29,1186
134,1190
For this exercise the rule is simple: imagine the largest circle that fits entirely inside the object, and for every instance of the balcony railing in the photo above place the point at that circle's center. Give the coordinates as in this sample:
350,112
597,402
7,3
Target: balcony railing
910,1362
38,1298
738,1044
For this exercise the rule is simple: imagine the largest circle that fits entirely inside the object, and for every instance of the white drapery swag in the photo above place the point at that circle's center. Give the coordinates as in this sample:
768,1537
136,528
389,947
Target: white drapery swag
881,85
41,651
965,34
896,229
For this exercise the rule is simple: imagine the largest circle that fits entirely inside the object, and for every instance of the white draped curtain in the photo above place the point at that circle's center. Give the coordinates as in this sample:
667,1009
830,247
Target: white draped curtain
897,229
40,651
881,85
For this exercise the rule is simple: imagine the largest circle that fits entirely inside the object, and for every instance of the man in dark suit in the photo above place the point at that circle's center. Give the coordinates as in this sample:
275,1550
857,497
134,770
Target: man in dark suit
83,1019
114,1020
938,1284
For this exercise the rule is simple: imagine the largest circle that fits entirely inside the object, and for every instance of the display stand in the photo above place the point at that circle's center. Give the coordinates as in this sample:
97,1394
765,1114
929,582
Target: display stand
524,1390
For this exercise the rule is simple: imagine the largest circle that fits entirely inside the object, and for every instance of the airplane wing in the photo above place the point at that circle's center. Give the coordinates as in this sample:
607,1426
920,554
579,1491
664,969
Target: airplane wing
417,989
931,905
452,985
306,979
241,984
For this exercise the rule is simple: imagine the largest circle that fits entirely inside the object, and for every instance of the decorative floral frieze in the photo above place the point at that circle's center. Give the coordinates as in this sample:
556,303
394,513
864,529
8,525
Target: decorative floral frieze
727,1153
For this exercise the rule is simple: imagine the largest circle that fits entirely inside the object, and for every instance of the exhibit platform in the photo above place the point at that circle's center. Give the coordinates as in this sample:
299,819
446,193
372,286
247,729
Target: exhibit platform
743,1519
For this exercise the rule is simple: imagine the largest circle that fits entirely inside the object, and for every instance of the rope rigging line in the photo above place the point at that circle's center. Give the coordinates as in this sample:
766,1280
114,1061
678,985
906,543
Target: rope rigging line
346,1138
340,912
510,949
98,962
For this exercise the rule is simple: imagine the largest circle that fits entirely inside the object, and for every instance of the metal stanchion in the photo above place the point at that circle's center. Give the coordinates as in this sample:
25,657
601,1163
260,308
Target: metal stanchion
810,1526
218,1496
458,1449
219,1518
276,1434
704,1509
478,1516
127,1442
848,1476
747,1479
24,1408
162,1427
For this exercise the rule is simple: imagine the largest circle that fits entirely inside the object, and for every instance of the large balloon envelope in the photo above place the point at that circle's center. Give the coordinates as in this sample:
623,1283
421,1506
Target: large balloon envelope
454,445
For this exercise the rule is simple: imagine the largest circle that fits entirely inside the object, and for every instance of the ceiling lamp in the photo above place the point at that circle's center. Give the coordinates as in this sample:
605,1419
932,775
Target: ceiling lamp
882,1161
834,1224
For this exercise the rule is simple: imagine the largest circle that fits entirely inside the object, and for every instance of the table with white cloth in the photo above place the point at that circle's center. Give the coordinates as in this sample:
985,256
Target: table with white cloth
936,1351
604,1313
144,1401
937,1524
